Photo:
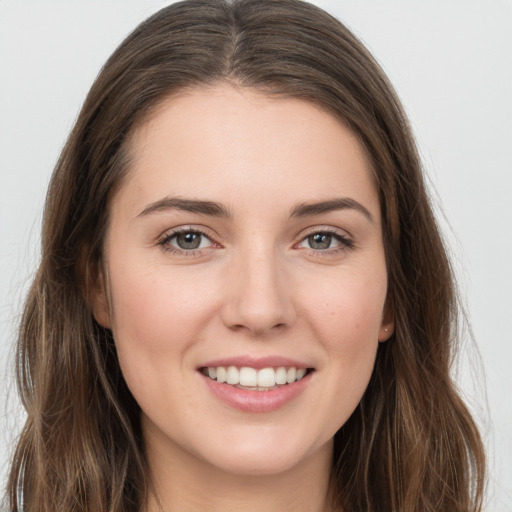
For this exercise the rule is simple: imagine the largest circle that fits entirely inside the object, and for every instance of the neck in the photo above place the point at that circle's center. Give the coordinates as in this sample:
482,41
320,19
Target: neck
183,483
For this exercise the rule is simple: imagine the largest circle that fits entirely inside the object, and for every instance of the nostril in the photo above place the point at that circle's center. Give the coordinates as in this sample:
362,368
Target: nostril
257,329
237,327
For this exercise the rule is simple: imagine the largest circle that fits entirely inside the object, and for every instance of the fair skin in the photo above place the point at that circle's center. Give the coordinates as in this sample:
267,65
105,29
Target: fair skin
251,279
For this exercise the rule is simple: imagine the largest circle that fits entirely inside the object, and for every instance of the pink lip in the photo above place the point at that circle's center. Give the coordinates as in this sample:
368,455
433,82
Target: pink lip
256,401
255,362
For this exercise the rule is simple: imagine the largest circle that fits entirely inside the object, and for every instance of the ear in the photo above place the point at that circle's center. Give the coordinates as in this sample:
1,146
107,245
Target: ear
387,327
98,298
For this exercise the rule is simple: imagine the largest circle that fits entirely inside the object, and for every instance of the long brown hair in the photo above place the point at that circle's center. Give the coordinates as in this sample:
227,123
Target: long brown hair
411,444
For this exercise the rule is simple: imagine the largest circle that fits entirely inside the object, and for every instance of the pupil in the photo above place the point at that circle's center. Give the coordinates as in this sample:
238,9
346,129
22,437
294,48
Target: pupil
189,240
320,241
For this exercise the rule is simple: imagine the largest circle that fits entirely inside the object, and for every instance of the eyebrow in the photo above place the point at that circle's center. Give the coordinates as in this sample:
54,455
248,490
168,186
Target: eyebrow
215,209
189,205
342,203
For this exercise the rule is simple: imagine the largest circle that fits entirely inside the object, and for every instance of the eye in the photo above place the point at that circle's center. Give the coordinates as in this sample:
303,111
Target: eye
185,241
189,240
326,241
320,241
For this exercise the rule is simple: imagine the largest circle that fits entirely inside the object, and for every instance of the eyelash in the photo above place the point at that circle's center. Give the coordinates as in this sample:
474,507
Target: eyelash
346,243
164,241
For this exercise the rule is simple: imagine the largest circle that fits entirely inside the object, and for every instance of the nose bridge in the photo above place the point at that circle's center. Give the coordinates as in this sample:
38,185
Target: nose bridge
260,299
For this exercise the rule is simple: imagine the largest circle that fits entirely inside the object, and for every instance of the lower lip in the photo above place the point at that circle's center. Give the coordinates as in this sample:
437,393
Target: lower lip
257,401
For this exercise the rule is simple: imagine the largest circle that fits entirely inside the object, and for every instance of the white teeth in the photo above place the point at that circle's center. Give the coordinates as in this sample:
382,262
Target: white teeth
221,374
266,378
300,373
281,375
248,377
291,373
251,378
232,375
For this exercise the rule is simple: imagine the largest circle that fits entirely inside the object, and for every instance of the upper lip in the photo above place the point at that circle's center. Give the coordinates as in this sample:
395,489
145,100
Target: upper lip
256,362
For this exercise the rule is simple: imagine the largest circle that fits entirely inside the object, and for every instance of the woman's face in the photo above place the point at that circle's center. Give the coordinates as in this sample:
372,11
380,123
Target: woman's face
245,245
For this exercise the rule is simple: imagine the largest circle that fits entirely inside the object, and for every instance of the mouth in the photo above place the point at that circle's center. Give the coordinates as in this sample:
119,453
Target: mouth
253,379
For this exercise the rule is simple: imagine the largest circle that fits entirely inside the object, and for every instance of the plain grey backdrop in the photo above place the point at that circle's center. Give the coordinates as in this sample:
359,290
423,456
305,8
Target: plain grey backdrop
451,63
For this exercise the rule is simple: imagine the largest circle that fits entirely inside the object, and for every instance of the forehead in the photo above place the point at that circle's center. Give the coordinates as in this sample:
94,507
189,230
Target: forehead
240,143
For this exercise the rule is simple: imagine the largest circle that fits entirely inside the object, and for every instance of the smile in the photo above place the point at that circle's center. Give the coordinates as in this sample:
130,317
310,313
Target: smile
252,379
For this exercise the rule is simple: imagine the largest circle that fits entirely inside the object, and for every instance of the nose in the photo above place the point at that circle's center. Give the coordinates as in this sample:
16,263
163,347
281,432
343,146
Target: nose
259,298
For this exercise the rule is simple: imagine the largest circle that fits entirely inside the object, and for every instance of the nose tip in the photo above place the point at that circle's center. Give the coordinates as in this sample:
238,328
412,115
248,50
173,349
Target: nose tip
259,299
258,320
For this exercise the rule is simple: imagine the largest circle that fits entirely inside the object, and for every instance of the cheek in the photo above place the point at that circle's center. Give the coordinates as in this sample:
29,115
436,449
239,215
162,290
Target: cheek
351,339
156,315
146,302
346,319
347,312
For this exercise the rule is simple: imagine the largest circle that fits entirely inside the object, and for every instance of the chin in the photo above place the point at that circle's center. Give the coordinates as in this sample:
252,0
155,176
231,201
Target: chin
257,465
263,455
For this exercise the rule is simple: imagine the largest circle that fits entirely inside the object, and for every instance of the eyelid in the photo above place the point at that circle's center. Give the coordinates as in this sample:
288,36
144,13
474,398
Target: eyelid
167,235
183,229
345,239
343,233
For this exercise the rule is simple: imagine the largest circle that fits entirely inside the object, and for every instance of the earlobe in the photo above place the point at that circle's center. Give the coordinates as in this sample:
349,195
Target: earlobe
387,327
99,301
386,331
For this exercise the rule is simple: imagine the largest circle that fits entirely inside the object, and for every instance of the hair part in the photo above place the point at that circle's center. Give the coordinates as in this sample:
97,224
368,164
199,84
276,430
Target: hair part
411,444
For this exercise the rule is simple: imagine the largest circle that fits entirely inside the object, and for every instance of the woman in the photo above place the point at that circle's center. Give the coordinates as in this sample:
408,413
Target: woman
243,295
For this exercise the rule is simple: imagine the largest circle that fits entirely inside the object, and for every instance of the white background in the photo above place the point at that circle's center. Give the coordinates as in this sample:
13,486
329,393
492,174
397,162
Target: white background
451,62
